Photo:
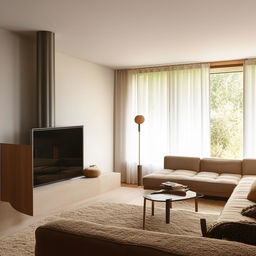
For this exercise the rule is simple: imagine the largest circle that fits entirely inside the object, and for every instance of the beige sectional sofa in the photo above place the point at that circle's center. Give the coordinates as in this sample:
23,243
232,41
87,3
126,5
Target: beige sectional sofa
209,176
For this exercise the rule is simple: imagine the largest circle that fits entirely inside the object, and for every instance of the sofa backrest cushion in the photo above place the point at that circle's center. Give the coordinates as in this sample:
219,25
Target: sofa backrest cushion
249,167
221,165
182,163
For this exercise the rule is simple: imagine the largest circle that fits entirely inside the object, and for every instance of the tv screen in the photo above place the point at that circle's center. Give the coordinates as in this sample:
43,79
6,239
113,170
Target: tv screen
57,154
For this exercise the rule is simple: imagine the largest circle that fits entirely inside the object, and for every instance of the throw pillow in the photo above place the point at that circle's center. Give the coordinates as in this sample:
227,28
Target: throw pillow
249,211
244,232
252,193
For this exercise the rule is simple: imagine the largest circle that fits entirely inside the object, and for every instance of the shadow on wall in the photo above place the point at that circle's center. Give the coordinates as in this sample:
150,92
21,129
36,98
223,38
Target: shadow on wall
27,85
17,86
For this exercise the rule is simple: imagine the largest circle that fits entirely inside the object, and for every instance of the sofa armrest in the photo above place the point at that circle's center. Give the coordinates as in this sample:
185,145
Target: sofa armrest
68,237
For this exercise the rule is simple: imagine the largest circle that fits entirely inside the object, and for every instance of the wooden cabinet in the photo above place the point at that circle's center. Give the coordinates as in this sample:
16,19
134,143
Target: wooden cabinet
16,178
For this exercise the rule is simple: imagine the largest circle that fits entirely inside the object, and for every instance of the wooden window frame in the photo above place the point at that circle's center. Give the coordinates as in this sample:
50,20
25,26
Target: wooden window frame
228,63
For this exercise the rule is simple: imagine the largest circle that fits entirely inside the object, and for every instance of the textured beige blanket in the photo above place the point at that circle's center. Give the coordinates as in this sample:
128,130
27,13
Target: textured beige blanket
173,244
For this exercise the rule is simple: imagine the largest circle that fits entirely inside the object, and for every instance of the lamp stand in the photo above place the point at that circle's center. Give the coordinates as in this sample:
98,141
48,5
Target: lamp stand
139,171
139,166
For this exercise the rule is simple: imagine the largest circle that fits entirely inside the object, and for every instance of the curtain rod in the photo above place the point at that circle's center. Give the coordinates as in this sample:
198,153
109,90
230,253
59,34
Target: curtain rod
213,64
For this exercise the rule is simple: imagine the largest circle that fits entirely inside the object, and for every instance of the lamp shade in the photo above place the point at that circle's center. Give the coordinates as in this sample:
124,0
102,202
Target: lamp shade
139,119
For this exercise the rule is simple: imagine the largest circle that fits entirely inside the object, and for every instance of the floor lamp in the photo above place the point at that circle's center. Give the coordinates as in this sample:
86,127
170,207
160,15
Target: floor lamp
139,120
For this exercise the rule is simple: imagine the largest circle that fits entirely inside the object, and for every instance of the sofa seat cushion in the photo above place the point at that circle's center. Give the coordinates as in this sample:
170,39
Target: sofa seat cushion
163,172
211,175
249,176
237,202
154,180
212,186
207,183
159,175
216,177
229,177
187,173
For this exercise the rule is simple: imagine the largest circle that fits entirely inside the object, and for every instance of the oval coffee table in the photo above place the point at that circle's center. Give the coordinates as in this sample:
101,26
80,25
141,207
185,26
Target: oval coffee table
168,199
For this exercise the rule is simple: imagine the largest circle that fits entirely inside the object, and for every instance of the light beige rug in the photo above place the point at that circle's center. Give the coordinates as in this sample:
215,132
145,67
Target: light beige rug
122,215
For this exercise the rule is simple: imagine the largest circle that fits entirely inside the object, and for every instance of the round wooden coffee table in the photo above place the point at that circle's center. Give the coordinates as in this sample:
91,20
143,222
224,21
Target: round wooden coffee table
168,199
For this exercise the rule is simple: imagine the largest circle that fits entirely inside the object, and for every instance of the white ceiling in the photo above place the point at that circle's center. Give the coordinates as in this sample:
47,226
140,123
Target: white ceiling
126,33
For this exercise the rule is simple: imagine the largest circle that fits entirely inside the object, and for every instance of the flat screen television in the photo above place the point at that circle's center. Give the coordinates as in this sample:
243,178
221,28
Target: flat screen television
57,154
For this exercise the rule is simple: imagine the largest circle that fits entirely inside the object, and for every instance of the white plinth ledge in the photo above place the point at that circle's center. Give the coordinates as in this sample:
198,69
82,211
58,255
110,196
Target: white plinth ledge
59,195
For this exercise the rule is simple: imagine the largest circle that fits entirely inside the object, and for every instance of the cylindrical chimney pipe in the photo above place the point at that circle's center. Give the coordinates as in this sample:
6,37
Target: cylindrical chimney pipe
46,78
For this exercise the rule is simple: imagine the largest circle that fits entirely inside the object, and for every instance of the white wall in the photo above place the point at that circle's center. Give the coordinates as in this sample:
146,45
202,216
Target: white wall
85,96
17,87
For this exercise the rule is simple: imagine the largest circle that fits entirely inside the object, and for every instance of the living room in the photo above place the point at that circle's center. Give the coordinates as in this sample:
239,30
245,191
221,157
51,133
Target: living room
132,97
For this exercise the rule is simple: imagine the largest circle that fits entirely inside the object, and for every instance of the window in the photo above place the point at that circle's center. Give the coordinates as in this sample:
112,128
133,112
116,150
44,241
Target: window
226,112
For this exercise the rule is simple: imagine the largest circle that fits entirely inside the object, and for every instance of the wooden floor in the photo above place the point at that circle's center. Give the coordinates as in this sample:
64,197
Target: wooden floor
130,185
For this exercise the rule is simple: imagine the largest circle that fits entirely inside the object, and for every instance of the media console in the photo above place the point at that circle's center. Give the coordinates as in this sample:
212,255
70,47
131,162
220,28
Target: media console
16,184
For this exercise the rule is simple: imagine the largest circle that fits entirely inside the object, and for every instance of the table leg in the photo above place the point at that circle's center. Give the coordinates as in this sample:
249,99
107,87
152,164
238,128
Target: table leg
144,212
196,203
168,205
153,208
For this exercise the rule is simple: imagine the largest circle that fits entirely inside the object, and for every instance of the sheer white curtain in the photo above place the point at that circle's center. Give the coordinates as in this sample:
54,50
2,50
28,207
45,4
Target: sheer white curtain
250,109
189,111
175,103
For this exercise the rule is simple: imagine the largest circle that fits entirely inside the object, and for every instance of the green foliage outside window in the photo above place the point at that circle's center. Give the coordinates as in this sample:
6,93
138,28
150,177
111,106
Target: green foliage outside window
226,114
